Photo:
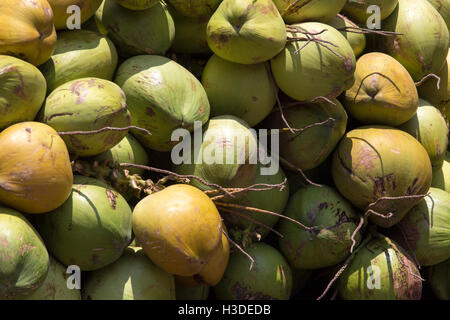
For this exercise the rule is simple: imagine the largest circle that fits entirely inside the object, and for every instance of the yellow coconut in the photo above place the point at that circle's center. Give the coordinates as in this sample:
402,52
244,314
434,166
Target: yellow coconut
27,30
87,9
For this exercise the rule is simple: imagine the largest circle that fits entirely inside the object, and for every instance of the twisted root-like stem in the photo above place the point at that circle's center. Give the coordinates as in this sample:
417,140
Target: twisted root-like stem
72,133
252,261
428,76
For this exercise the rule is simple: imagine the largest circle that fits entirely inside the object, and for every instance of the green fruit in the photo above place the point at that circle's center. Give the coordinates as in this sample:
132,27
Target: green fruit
195,8
315,70
246,31
357,40
429,128
132,277
137,4
358,9
246,91
80,54
443,7
85,105
24,260
374,162
439,277
91,229
190,35
22,91
54,286
380,270
299,280
294,11
149,31
335,221
200,292
423,44
162,96
441,175
270,277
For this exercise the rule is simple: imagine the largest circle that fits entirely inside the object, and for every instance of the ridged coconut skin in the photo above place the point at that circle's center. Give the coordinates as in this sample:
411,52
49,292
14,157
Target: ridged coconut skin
190,35
294,11
329,244
91,229
179,229
246,92
227,155
376,161
54,286
443,7
24,260
357,40
312,147
381,258
132,277
195,8
149,31
246,31
27,31
426,228
269,279
428,126
314,70
357,9
61,17
161,97
423,44
22,91
35,171
84,105
80,54
441,175
383,92
137,4
439,277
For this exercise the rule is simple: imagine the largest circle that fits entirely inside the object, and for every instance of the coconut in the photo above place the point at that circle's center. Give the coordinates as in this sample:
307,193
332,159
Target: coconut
294,11
270,277
381,270
137,4
375,162
24,260
319,141
358,10
35,172
162,96
429,128
91,229
439,277
200,292
300,279
441,175
149,31
422,44
87,104
334,222
443,7
246,31
80,54
132,277
190,37
315,70
22,91
62,17
246,92
357,40
195,8
27,30
383,92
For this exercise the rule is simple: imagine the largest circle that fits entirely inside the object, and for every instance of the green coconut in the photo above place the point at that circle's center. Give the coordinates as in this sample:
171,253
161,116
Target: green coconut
443,7
357,40
315,70
439,278
55,286
22,91
426,228
246,31
246,91
132,277
380,270
149,31
270,277
374,162
190,35
91,229
195,8
85,105
200,292
334,220
294,11
162,96
423,42
357,9
80,54
318,141
429,128
383,92
227,155
441,175
24,260
300,279
137,4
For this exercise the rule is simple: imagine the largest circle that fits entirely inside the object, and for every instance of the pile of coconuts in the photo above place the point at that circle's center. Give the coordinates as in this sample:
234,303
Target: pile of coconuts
314,164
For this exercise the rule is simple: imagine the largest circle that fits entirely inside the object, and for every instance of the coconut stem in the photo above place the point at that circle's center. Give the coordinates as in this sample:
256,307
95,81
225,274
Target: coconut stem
431,75
293,167
71,133
252,261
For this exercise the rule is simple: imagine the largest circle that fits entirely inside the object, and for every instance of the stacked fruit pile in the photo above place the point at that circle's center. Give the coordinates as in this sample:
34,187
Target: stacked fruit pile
224,149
